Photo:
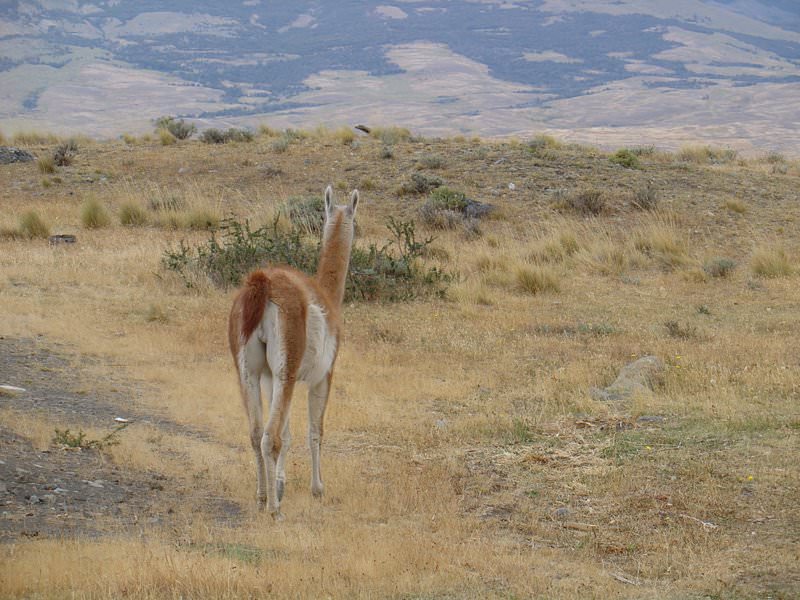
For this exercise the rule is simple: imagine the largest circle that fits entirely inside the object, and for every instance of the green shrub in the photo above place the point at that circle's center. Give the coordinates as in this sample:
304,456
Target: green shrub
719,267
132,214
94,215
217,136
430,161
179,128
280,145
421,184
31,226
390,272
625,158
213,136
386,152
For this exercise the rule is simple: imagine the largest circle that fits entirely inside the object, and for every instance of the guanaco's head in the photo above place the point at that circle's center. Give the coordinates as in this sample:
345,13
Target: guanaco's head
339,220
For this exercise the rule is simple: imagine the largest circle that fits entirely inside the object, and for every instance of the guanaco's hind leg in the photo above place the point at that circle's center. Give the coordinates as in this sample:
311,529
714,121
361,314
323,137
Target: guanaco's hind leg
251,395
271,441
317,400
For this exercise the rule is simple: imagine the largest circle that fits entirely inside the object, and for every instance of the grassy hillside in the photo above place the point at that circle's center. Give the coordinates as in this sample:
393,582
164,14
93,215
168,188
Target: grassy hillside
464,454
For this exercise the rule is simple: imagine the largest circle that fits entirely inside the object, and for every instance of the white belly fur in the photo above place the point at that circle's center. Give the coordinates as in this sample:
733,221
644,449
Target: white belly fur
320,344
320,347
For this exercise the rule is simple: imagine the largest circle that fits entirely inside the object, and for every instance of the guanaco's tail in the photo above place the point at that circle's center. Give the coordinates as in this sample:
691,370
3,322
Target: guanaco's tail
254,299
247,311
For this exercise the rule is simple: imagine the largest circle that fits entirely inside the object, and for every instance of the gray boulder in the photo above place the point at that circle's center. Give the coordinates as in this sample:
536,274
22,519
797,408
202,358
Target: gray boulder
10,155
639,377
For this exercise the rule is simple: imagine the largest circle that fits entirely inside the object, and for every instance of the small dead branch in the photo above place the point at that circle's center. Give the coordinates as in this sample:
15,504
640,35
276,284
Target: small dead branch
707,525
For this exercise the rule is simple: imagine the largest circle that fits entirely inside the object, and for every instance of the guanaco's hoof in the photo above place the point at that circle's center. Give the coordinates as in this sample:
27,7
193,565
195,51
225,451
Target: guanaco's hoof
317,491
277,516
281,485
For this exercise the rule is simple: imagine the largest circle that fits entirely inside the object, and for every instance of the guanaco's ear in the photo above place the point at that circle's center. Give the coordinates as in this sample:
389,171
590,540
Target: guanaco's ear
328,201
353,203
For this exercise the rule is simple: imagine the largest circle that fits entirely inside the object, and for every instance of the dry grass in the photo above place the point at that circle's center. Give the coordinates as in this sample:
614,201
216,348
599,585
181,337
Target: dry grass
46,165
459,428
31,225
771,262
94,214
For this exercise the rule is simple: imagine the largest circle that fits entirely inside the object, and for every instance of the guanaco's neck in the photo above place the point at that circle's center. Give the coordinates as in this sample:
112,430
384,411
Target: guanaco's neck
334,259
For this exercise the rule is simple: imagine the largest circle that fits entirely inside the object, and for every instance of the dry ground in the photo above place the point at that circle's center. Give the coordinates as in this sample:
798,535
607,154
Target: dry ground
464,456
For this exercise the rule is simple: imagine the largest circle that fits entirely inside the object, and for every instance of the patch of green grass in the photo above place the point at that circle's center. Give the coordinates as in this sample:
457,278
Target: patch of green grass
719,267
79,440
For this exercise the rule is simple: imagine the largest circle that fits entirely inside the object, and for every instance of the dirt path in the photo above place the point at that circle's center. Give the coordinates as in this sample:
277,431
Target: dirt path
79,492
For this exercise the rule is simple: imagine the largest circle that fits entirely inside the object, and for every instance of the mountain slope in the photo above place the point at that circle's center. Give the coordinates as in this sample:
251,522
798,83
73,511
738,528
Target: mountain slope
494,68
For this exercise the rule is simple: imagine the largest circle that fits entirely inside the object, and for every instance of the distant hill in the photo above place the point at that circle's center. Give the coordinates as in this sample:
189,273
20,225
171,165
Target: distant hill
608,72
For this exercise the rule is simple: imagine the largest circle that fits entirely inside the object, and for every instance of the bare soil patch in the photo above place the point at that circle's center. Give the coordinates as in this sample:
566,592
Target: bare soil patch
72,492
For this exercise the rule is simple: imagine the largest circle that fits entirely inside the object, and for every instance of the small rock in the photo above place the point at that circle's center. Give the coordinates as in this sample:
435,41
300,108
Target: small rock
561,513
34,499
61,238
441,423
512,187
94,484
651,419
3,487
48,499
477,210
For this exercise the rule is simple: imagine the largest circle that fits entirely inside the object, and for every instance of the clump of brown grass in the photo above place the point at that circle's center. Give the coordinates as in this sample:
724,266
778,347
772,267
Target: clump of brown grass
94,214
555,248
201,219
132,214
770,262
703,155
34,138
31,225
46,165
736,206
662,241
587,201
536,280
165,137
390,135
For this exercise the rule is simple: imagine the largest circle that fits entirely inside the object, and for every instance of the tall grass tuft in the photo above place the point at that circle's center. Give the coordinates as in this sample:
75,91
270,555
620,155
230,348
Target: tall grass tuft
94,215
536,280
771,263
31,225
46,165
132,214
